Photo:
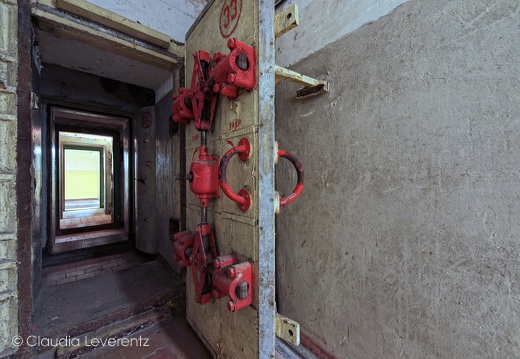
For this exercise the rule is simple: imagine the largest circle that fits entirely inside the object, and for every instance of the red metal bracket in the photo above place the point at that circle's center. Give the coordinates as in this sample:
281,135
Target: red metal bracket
233,280
284,201
183,247
203,177
243,198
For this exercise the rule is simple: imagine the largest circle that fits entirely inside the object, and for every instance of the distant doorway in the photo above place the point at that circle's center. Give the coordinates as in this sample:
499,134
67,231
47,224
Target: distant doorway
86,171
90,179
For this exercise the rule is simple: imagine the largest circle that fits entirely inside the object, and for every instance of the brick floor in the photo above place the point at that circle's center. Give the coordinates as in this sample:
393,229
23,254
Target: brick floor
91,220
169,339
70,272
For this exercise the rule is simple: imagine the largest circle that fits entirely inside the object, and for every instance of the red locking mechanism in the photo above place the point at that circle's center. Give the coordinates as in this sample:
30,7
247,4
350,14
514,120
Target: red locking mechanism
234,71
204,251
203,177
233,280
229,74
183,247
284,201
243,198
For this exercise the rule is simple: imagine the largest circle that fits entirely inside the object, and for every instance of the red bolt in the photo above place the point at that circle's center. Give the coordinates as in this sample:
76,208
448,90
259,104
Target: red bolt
232,43
231,78
216,88
231,272
231,306
192,258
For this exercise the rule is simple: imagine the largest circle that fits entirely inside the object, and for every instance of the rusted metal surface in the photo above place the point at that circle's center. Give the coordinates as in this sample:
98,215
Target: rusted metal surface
313,87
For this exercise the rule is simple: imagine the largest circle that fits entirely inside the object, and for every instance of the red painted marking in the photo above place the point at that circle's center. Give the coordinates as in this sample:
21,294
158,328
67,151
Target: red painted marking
229,17
315,348
234,125
195,138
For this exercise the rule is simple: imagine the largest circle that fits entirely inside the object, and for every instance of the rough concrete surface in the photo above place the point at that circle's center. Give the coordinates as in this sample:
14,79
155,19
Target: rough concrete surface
323,22
405,242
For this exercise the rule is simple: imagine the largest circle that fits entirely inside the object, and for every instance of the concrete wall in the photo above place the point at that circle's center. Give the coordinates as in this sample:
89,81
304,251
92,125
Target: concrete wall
405,241
8,205
171,17
322,22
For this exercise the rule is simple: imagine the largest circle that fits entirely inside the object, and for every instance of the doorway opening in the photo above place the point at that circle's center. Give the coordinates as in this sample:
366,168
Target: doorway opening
86,172
90,185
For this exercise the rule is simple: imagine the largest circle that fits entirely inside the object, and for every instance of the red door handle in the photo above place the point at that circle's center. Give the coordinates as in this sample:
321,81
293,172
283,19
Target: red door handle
243,198
284,201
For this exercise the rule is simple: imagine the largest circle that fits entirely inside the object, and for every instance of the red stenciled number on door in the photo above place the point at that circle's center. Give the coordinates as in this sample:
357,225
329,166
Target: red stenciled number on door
234,125
229,16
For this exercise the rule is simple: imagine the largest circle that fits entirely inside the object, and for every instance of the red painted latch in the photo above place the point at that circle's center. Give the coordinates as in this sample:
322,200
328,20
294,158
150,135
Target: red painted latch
243,198
284,201
234,280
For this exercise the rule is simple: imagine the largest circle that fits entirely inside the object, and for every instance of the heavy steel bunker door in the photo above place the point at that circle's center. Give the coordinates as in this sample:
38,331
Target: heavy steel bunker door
247,235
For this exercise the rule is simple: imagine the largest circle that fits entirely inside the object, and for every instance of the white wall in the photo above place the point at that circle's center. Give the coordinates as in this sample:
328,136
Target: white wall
171,17
323,22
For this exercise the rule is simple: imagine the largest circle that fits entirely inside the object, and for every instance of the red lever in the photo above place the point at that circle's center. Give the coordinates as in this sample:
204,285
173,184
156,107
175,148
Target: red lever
284,201
243,198
204,251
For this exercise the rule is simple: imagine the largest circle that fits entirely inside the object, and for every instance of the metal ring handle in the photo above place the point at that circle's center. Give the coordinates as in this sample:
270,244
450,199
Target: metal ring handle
284,201
243,198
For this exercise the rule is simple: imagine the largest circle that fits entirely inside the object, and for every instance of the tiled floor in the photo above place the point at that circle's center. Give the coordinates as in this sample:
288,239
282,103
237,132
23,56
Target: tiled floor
72,272
170,339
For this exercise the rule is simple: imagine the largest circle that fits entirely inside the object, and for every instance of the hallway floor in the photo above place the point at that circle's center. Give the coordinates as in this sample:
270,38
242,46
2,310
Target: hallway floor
172,338
122,296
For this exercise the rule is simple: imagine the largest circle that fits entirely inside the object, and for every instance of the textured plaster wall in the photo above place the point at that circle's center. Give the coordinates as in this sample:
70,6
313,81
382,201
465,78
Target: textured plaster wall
406,242
323,22
8,134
